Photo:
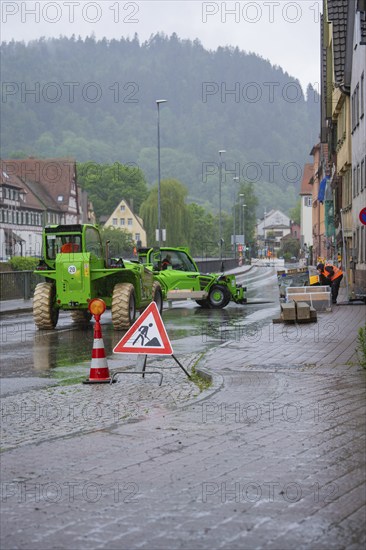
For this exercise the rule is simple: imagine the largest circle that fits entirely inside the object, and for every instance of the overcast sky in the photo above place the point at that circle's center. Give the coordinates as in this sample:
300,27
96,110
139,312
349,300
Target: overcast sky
286,33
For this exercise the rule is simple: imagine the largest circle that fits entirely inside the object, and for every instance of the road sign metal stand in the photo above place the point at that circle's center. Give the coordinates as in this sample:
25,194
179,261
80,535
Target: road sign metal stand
116,372
143,371
181,366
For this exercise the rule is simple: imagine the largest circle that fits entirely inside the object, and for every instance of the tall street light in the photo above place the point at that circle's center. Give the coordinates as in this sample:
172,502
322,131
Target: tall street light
241,195
158,102
234,224
244,247
220,218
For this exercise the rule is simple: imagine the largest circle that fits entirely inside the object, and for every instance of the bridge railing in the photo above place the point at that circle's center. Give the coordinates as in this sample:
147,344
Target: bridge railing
20,285
16,285
214,265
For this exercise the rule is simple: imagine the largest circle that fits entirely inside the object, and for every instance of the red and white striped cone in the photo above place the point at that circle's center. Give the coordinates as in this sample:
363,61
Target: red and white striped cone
99,371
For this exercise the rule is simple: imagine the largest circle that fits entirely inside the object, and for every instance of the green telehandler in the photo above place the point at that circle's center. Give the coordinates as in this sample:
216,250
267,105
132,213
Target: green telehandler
77,269
179,277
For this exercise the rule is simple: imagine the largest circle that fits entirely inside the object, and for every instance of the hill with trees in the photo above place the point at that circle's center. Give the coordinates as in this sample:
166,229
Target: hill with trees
95,101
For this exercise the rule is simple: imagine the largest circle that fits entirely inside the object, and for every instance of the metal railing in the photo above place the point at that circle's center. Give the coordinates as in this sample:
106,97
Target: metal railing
18,285
213,265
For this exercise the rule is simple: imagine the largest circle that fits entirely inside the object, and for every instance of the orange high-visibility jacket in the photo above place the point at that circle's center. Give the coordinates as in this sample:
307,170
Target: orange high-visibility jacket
332,272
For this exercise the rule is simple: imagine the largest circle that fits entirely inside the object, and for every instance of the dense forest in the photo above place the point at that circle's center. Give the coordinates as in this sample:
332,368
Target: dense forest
96,101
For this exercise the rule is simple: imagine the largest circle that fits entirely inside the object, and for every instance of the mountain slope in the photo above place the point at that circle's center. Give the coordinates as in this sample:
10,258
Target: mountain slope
95,100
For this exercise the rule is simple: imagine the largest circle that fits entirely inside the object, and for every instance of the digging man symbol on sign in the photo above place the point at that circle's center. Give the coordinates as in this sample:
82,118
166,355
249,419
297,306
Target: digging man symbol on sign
143,330
147,335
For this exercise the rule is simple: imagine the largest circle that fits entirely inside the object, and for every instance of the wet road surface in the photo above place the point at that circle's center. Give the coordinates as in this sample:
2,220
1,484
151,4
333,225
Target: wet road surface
58,354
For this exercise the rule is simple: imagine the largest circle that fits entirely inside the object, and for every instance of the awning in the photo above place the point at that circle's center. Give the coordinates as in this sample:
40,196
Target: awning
322,187
10,235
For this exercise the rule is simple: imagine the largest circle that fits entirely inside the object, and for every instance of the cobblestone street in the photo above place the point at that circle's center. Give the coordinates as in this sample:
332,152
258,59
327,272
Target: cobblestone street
271,456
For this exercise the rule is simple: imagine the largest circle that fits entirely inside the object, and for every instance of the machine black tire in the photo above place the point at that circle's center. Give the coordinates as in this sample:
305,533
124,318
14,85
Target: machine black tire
45,312
157,296
81,316
123,305
218,297
203,303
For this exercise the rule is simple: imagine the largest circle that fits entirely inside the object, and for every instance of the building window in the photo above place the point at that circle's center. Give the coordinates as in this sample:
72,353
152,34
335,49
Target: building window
129,221
358,178
114,221
362,95
122,221
137,237
341,128
123,208
363,176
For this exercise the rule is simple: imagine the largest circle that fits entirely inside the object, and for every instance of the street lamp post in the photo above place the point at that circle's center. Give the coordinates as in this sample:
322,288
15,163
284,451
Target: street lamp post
234,217
241,215
220,217
244,246
158,102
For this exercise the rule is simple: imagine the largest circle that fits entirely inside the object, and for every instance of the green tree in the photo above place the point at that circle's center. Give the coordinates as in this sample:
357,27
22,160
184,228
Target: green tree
120,241
294,212
108,184
174,213
246,216
202,230
290,247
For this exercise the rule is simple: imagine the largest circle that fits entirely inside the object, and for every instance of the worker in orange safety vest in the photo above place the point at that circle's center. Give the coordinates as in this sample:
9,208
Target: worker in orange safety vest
332,276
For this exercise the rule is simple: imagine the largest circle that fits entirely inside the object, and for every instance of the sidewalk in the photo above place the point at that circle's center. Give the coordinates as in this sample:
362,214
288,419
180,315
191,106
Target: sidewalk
15,306
273,456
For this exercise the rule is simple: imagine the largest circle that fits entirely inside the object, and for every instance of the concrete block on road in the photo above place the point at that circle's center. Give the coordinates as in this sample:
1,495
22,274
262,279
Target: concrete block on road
288,311
302,310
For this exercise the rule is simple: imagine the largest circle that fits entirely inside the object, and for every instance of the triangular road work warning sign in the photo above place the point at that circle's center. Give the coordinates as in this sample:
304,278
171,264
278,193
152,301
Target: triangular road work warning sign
146,336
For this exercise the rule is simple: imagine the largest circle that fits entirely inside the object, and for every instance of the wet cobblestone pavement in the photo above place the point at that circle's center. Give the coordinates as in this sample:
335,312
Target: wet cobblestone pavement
273,457
38,415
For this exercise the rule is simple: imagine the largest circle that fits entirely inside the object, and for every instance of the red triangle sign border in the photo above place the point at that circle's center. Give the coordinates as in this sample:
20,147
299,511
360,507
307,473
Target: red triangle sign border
123,345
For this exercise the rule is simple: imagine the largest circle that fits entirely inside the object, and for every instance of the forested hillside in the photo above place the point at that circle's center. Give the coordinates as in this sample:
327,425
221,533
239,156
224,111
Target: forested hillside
95,101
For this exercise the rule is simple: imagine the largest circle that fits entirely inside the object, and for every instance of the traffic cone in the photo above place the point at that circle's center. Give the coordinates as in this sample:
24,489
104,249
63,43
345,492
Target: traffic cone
99,371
